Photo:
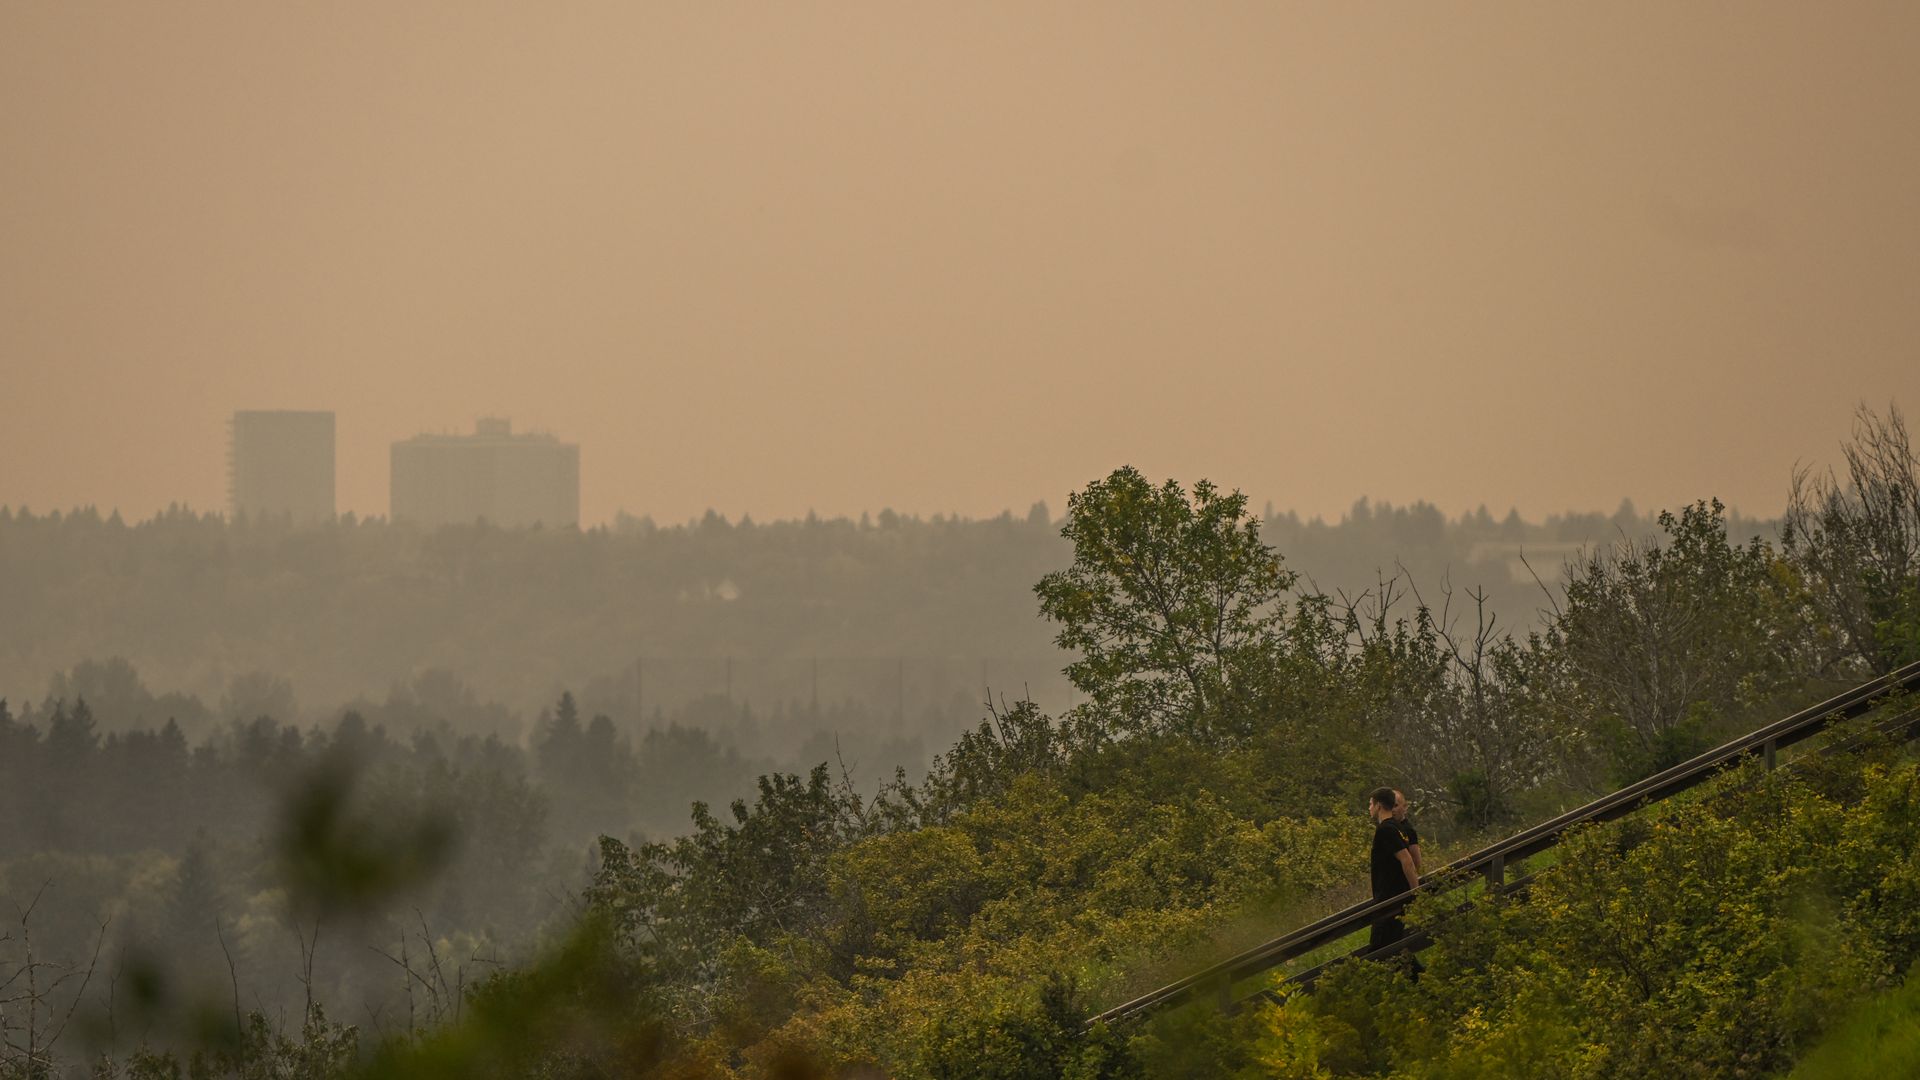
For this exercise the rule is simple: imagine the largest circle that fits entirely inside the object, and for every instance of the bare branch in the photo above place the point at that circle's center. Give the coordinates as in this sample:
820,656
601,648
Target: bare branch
81,993
233,975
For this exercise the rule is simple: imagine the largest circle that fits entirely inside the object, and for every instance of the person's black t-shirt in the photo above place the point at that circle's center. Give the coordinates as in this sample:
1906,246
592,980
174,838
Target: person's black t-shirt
1408,834
1388,878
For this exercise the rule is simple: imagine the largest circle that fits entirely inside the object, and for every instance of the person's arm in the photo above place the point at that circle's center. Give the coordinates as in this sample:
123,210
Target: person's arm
1418,869
1406,864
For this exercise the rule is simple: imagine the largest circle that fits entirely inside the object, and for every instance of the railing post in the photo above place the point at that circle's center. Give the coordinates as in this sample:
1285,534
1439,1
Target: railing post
1767,751
1496,873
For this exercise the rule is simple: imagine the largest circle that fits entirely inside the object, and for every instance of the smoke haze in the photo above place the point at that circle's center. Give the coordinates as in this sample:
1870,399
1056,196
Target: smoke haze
959,259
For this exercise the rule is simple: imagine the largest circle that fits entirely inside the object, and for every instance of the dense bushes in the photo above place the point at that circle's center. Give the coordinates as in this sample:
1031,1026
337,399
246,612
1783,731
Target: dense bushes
1715,936
918,928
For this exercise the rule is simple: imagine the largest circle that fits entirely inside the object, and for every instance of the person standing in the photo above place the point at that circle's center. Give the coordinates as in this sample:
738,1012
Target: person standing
1392,865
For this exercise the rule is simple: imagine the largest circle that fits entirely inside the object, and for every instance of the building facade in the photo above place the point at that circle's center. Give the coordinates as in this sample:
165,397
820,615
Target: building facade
280,465
492,475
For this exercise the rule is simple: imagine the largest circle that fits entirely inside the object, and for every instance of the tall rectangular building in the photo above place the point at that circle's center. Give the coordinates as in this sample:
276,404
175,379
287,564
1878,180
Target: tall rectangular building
491,475
280,465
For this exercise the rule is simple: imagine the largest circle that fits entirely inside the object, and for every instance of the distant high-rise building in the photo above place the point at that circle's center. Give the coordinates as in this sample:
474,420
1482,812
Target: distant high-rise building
280,464
491,475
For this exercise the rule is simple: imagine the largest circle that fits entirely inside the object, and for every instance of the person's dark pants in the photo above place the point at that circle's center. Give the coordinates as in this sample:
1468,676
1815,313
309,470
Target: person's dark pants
1388,931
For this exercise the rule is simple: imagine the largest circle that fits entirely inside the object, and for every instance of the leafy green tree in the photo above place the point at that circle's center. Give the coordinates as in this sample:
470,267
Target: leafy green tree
1034,1035
1455,701
1666,646
983,763
1858,543
759,879
1173,605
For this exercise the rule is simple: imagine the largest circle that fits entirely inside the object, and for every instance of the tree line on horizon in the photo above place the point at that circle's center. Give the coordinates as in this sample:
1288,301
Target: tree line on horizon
910,621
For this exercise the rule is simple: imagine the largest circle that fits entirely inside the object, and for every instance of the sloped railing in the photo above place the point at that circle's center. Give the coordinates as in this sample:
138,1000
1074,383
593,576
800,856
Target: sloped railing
1492,861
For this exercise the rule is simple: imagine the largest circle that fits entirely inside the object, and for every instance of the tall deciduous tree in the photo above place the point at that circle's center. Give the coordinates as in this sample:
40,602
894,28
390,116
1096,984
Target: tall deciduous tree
1858,543
1666,644
1173,603
1457,705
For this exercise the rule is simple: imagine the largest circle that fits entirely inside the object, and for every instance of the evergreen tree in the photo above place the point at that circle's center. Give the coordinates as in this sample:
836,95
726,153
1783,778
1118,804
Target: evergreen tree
171,751
19,755
197,898
71,739
560,740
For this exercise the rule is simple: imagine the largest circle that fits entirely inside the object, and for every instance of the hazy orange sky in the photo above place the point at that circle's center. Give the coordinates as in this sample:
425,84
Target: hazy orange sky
959,257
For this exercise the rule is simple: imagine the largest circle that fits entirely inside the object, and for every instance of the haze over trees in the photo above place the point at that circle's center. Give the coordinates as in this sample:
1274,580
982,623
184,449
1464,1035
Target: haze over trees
905,619
421,900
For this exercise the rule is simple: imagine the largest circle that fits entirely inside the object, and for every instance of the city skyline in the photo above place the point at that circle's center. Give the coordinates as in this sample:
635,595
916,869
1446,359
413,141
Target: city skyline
962,260
1332,512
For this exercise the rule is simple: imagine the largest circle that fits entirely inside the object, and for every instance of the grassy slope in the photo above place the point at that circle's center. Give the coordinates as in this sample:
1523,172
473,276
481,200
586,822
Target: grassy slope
1878,1040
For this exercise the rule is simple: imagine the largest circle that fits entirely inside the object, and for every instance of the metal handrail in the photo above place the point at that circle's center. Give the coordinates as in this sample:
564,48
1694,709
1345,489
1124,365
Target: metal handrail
1905,725
1492,860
